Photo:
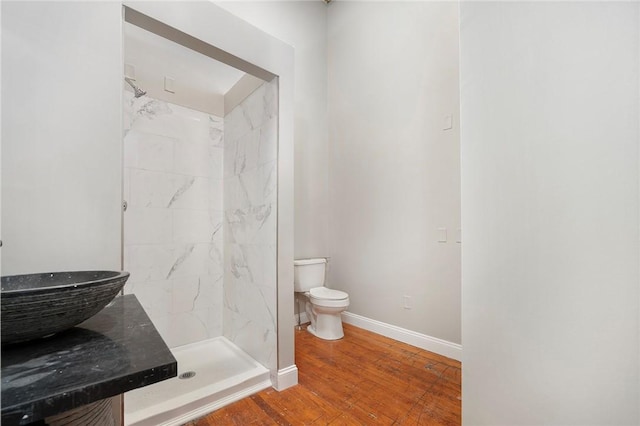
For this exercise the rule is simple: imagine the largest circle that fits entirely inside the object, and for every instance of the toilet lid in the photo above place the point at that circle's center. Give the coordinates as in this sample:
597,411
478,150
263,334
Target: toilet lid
327,293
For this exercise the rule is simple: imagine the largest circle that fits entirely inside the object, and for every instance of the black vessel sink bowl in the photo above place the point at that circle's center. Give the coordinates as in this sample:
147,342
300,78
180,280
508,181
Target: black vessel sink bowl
39,305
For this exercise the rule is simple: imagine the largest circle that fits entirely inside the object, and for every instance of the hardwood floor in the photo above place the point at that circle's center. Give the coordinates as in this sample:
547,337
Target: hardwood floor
363,379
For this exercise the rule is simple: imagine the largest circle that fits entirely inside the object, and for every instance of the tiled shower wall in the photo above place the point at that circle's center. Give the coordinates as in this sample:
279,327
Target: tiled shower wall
173,243
250,203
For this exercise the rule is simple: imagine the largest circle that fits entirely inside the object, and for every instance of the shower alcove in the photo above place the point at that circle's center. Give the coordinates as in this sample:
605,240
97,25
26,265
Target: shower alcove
207,184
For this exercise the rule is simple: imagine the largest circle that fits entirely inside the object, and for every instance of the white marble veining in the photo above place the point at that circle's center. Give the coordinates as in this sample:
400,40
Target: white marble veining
148,262
268,140
250,204
200,231
258,340
251,131
216,131
147,226
250,201
173,236
154,295
195,226
216,191
168,190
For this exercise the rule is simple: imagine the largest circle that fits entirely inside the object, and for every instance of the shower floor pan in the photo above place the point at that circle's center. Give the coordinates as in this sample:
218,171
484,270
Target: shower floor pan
223,374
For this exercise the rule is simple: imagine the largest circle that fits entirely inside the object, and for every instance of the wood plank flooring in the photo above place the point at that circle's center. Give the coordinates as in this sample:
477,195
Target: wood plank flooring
363,379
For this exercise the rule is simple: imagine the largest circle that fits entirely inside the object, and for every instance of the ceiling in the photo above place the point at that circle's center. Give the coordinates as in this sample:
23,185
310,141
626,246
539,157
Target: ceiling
155,57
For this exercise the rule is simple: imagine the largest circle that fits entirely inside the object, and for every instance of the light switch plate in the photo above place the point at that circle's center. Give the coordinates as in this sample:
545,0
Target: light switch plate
406,302
447,123
169,85
130,71
442,235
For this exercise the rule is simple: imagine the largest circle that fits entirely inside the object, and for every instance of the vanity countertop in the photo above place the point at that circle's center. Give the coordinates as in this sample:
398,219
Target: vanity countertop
115,351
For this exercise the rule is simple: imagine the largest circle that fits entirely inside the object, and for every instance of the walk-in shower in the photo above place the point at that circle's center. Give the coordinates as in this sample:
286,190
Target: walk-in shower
200,234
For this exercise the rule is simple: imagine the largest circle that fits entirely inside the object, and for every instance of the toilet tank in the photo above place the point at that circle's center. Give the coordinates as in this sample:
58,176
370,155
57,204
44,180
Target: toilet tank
308,273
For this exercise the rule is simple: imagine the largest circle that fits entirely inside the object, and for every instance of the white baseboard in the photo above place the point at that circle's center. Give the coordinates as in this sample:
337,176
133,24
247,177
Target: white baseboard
422,341
286,378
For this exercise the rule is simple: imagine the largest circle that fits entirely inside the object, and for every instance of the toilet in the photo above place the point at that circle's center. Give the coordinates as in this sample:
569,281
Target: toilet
324,305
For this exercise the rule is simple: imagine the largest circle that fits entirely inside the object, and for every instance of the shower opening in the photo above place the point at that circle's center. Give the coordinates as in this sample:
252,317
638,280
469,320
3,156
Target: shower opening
200,234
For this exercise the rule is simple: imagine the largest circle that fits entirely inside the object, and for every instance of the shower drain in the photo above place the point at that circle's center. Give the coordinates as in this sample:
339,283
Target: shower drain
187,375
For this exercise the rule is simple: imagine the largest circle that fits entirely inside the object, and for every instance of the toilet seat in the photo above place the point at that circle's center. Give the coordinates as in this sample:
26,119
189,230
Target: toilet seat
329,298
328,293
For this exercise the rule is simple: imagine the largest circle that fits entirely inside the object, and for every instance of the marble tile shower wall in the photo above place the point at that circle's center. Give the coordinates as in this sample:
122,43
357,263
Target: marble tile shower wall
250,183
173,231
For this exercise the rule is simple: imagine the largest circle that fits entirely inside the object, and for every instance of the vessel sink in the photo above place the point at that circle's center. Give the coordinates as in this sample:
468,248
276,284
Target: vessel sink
39,305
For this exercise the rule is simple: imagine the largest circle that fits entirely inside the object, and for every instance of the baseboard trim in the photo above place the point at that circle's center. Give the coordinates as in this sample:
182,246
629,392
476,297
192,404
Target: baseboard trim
422,341
286,378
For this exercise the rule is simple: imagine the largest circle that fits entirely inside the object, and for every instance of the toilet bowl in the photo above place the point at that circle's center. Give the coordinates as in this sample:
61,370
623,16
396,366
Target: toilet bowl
324,305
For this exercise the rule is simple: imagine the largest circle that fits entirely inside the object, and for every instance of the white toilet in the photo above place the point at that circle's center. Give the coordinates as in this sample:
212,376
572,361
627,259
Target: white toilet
324,305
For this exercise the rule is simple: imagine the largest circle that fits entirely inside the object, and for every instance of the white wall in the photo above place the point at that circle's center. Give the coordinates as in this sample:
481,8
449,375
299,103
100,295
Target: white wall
61,136
302,24
394,171
550,213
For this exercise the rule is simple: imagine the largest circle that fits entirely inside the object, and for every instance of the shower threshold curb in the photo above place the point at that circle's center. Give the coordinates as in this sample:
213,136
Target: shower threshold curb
153,407
203,410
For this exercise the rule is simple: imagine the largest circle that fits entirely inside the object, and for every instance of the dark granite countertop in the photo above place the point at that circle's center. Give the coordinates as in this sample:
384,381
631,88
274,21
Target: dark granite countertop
117,350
